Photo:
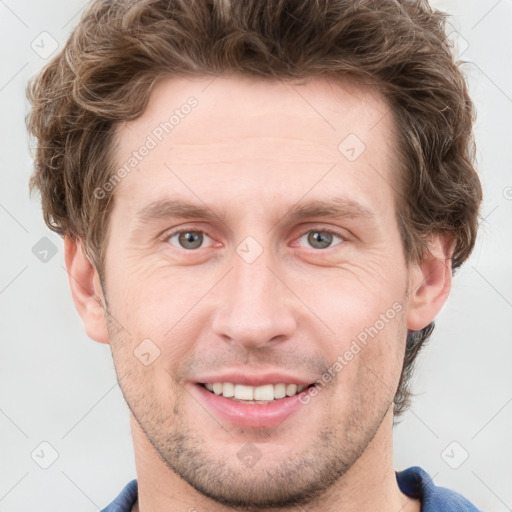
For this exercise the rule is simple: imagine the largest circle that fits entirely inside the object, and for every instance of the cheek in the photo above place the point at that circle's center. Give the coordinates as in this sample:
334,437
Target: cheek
366,369
363,330
156,297
353,297
147,372
161,309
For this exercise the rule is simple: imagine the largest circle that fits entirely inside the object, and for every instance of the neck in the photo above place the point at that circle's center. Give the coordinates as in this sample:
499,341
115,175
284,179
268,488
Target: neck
370,484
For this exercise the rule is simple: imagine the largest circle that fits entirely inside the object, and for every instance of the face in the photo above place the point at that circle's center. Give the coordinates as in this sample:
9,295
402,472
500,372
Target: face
255,243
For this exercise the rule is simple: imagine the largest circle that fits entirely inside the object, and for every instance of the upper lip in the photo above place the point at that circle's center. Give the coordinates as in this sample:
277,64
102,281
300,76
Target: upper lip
254,380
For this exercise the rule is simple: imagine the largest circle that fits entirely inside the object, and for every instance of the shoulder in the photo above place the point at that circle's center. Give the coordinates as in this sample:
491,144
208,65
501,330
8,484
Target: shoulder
416,483
124,502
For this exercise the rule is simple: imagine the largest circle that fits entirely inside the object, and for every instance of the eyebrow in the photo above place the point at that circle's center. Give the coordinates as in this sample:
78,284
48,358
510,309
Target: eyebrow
170,208
333,207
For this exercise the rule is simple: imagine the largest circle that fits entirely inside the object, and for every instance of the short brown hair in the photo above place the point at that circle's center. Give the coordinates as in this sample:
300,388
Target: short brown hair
105,73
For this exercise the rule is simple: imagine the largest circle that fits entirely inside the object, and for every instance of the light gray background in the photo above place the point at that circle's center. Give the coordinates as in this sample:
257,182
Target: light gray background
59,387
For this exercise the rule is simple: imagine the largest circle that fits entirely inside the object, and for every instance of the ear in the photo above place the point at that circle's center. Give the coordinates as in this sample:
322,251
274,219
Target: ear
86,290
430,282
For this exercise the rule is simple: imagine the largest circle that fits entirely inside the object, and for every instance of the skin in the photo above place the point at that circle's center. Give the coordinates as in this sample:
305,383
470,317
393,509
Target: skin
249,151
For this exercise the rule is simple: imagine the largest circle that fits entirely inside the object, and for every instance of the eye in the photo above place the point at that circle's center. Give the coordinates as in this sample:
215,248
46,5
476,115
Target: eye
188,239
321,238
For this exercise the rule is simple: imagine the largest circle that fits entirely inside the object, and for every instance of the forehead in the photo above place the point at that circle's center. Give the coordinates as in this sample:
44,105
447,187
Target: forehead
229,132
244,106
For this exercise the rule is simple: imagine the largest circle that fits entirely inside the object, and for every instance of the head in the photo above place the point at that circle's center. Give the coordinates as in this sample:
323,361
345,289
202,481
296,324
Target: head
262,117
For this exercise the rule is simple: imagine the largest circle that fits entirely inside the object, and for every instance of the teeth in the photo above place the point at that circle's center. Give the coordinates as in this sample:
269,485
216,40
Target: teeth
244,392
291,389
228,389
265,393
279,390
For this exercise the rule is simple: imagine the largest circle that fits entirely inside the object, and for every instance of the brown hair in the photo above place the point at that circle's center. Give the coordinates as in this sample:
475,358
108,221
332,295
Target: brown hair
105,73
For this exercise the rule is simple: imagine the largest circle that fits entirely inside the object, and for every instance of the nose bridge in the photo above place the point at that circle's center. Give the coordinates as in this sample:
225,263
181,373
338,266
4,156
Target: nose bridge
255,308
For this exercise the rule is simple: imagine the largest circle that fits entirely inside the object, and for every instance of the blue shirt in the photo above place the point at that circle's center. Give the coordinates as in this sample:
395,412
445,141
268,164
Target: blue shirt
414,482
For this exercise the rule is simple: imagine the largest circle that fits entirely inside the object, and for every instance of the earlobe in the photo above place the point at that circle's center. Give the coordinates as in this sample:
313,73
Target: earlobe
86,290
430,282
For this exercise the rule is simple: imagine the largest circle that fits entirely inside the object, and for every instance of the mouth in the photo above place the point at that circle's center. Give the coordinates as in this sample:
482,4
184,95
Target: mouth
263,406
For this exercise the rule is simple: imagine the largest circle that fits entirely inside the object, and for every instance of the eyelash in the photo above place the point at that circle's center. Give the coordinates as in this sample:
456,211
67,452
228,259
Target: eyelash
170,235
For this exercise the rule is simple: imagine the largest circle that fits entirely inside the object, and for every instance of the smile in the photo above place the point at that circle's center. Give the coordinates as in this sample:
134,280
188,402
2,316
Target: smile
254,394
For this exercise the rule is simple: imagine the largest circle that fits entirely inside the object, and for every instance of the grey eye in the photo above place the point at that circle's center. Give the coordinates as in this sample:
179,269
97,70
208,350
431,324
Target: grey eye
319,239
189,239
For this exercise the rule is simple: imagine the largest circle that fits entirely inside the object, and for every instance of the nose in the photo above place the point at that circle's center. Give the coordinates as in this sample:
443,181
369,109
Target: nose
256,307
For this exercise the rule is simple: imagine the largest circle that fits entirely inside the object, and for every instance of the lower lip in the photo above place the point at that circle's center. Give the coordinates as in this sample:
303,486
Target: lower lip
266,415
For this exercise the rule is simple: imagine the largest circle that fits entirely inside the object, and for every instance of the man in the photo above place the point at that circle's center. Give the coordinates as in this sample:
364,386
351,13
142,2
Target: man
262,206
